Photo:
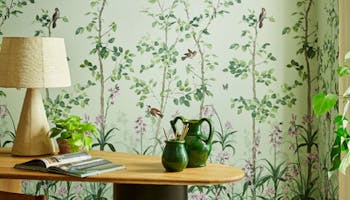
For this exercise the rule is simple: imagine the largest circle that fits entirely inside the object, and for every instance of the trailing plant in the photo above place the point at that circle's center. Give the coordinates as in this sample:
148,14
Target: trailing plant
77,133
323,103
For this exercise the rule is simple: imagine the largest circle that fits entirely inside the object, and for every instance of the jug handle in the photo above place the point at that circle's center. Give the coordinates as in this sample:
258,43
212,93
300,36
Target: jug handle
173,122
211,132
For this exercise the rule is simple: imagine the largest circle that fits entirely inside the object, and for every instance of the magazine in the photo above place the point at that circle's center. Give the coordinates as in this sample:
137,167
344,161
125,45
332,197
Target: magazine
75,164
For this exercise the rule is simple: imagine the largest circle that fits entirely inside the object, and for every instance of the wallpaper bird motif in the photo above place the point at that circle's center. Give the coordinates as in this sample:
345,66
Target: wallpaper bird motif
251,67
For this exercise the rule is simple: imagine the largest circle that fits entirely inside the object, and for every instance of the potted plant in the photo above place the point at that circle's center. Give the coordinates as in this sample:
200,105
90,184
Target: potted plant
323,103
73,134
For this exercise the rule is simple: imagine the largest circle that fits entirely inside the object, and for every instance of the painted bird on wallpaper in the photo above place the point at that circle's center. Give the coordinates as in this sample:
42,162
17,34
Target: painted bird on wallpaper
189,54
155,112
55,16
262,16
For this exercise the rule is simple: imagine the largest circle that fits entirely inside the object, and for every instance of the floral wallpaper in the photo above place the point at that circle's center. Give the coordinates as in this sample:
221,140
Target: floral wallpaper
252,67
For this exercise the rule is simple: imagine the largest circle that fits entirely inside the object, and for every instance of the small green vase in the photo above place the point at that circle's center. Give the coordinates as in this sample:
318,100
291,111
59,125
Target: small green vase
174,158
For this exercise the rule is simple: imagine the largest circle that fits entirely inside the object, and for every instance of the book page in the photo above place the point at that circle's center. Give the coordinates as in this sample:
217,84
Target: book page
86,167
64,158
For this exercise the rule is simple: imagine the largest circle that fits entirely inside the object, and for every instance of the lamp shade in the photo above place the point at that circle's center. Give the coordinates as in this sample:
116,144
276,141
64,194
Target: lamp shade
33,62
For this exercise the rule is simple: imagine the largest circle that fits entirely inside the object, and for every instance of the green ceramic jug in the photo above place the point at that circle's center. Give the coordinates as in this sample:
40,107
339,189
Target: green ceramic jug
174,158
198,147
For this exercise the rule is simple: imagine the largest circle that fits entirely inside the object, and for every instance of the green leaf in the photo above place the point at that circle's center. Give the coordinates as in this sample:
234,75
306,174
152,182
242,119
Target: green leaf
322,103
343,70
65,19
111,40
2,94
286,30
79,30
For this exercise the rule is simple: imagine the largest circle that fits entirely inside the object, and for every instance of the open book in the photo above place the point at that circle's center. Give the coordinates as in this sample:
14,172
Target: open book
75,164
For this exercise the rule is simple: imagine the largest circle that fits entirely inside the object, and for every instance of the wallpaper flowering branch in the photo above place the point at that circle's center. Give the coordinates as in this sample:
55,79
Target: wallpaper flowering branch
251,67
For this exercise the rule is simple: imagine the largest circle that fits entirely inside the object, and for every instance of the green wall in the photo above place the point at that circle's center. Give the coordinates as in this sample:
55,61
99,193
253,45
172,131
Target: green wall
251,81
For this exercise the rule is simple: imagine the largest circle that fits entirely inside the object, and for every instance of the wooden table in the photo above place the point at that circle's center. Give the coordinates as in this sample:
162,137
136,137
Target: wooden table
144,175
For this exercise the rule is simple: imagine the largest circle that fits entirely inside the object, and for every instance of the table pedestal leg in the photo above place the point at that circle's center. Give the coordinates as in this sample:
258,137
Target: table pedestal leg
149,192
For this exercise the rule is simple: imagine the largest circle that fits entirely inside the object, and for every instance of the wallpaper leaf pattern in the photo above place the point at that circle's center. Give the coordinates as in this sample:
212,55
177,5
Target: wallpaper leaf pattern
184,69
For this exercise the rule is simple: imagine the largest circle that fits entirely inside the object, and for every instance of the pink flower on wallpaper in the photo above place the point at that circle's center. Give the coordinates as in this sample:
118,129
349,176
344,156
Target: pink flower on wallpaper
78,191
249,171
293,131
285,188
307,119
292,147
3,111
100,120
295,171
269,191
198,196
276,136
222,156
140,127
312,157
61,191
228,125
114,92
217,194
208,111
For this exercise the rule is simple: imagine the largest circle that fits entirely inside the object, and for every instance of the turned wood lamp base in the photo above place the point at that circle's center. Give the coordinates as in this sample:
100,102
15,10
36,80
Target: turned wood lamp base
32,135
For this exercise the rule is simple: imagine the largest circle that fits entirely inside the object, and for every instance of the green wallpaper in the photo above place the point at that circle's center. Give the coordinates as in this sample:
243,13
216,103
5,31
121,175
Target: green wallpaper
250,66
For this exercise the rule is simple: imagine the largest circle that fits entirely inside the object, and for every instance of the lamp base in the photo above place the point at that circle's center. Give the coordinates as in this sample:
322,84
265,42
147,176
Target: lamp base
32,135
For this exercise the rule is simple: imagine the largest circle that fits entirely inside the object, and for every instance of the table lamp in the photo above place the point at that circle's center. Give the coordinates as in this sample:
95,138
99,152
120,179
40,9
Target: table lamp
33,63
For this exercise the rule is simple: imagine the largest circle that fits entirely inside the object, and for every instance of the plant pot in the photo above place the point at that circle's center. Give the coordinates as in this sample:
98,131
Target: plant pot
63,146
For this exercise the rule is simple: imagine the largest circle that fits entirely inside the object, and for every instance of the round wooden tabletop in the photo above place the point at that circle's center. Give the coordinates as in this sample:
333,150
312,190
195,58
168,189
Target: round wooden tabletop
140,169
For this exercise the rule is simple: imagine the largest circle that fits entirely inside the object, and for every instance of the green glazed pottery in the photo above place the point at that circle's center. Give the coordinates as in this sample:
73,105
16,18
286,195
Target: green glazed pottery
174,158
198,147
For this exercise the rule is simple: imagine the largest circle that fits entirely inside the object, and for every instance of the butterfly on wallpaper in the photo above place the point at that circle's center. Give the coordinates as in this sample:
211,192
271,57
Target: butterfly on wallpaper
262,16
225,86
154,112
189,54
55,16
